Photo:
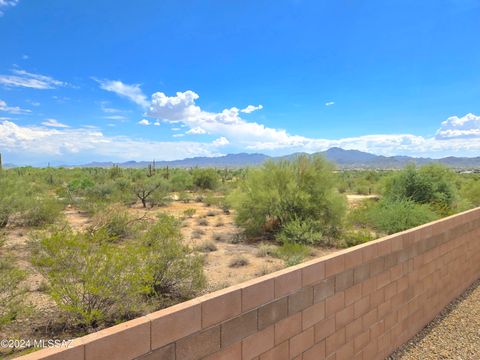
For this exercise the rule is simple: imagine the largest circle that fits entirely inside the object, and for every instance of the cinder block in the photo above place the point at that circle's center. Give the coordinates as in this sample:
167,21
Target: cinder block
334,265
279,352
324,289
335,341
301,342
335,303
257,294
272,312
198,345
313,315
343,280
344,317
287,328
238,328
164,353
324,329
175,323
353,329
258,343
288,283
124,341
361,307
300,300
316,352
361,341
353,258
75,351
313,273
221,306
345,352
232,352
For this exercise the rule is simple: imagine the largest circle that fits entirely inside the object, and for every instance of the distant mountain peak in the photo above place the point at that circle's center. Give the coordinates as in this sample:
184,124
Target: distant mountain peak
343,158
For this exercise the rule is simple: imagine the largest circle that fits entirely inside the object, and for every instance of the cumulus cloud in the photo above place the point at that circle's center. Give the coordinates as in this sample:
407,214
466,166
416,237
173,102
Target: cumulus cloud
12,109
144,122
330,103
54,123
182,108
221,141
5,4
36,144
22,78
196,131
456,127
228,123
251,108
132,92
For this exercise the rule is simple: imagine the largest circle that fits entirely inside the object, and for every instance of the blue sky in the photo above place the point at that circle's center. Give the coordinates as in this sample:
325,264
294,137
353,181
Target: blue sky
123,80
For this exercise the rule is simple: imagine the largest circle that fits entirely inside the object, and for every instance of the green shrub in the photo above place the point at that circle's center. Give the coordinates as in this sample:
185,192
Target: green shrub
356,237
205,179
264,250
39,212
11,293
307,232
279,193
173,272
189,212
238,261
471,192
5,212
206,246
430,184
181,181
394,216
184,197
116,222
91,280
292,253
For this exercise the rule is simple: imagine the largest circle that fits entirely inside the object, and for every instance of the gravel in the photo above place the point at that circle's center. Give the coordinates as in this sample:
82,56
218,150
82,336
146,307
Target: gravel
454,334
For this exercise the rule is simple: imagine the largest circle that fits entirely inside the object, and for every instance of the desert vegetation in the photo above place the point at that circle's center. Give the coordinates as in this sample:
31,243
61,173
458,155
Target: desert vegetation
85,248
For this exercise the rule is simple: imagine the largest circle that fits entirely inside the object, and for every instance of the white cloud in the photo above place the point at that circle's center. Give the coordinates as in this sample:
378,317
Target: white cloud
176,129
132,92
221,141
22,78
12,109
39,145
54,123
178,135
228,123
115,117
144,122
242,134
464,127
251,108
196,131
156,123
330,103
7,3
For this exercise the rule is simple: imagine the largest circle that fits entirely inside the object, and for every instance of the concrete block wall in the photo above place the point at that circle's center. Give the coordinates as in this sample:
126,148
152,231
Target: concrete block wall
360,303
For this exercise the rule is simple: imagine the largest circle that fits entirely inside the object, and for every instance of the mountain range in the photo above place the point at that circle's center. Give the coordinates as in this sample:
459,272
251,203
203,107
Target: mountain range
347,159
